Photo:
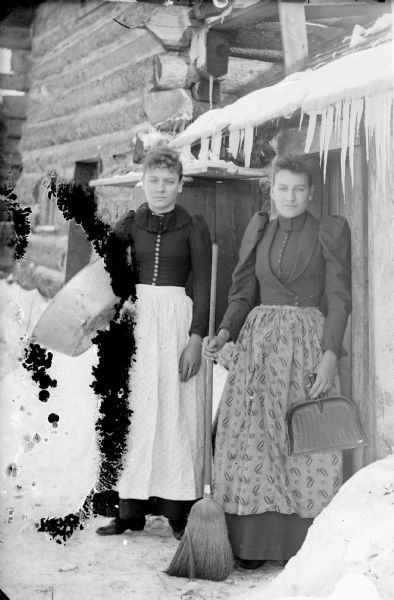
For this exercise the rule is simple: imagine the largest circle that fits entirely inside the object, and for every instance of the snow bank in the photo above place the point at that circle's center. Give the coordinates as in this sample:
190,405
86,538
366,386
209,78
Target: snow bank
45,470
354,534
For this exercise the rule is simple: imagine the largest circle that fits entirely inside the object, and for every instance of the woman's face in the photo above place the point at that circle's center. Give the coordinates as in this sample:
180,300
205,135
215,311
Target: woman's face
161,187
291,193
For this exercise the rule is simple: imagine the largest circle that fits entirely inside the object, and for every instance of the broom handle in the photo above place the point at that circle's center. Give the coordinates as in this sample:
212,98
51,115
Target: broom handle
209,378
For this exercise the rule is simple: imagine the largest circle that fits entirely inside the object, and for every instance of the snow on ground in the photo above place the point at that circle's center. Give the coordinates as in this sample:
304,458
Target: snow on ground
47,472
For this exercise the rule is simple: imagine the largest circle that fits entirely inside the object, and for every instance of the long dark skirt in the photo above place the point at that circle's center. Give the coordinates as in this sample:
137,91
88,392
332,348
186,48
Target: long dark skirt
268,536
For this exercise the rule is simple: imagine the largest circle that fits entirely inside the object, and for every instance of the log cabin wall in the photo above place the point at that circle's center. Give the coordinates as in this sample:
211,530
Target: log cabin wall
103,75
15,67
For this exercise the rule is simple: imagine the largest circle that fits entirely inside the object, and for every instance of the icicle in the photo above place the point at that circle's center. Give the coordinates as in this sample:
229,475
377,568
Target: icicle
216,143
311,131
367,124
248,144
344,140
301,120
210,91
337,119
356,109
233,142
203,154
322,133
327,137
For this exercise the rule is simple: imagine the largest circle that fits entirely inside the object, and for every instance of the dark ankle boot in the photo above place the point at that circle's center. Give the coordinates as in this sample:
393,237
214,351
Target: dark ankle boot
117,526
178,527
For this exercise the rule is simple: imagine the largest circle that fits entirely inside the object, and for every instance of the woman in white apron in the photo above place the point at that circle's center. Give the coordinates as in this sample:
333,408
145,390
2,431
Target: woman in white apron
163,466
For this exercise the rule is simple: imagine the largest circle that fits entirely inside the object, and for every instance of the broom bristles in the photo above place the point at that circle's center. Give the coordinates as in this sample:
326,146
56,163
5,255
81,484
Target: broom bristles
204,551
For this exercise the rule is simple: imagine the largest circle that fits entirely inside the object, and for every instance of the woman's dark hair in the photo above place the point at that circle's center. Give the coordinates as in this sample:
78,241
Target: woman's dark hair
163,157
296,163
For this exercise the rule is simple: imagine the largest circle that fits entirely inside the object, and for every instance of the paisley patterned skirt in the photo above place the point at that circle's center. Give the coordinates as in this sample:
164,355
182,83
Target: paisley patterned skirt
278,347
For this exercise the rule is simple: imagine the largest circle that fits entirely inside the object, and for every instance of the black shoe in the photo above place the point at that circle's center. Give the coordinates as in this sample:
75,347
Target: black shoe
250,565
178,527
117,526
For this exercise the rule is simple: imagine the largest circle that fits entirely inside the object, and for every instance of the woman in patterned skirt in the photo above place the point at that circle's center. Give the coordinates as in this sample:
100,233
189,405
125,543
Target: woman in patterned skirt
163,466
288,309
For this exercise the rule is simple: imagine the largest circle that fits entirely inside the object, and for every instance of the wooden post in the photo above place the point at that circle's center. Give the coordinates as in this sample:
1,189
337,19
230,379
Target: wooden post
294,35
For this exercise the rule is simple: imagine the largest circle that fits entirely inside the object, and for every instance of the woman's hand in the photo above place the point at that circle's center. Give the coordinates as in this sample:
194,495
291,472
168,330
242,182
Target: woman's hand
211,349
190,361
325,374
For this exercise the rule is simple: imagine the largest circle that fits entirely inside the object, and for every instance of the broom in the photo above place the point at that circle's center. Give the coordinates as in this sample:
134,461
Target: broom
204,551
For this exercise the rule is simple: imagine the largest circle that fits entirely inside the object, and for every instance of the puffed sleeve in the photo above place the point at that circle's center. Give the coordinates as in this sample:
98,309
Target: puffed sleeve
120,258
244,291
201,256
334,237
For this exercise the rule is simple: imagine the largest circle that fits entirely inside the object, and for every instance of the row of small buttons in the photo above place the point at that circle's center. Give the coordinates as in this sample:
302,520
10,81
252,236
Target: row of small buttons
156,264
280,255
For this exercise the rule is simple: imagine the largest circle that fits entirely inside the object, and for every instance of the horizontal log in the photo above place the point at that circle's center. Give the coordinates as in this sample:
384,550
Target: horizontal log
88,122
200,91
14,107
48,101
68,22
62,157
82,43
172,71
271,56
15,81
97,78
15,37
21,61
168,105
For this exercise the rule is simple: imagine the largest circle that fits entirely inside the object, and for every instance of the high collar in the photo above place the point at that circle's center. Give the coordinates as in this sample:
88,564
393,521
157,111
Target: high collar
149,221
293,223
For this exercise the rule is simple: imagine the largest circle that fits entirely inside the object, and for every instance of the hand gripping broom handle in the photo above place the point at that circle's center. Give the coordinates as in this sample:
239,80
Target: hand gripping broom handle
209,379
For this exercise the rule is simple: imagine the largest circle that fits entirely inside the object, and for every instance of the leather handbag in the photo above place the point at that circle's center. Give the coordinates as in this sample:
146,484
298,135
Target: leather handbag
329,423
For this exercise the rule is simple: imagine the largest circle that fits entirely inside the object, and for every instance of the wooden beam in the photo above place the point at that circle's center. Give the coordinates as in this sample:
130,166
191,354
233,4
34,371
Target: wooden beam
238,18
266,35
271,56
15,37
325,10
294,35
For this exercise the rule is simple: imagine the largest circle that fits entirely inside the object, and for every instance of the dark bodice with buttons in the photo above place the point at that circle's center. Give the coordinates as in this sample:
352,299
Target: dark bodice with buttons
167,249
294,262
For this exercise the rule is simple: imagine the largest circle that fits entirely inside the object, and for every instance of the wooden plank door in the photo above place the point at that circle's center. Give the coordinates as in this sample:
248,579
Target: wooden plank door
227,208
353,369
